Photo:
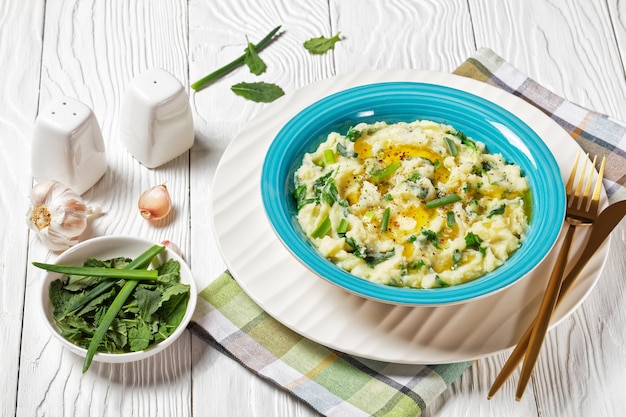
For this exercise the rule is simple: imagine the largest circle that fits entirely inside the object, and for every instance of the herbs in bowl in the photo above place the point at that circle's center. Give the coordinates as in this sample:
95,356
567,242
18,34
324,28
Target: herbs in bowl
117,299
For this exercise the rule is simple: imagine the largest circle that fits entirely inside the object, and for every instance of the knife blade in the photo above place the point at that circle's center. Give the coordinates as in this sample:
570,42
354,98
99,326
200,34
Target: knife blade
602,227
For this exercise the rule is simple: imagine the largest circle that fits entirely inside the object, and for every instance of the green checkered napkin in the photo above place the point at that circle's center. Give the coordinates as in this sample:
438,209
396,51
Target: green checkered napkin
337,384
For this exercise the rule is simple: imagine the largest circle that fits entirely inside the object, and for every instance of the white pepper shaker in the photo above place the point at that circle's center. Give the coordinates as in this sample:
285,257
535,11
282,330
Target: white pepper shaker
156,124
67,145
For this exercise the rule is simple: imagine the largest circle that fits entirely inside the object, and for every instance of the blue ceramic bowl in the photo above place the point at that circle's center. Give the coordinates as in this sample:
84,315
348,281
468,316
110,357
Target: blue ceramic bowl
481,119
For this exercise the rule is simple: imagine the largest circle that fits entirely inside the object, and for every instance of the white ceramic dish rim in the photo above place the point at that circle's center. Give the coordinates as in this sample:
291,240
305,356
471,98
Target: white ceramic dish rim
106,247
349,323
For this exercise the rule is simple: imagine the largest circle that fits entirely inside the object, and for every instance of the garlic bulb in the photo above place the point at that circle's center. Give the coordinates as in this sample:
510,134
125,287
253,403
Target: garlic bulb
155,203
57,214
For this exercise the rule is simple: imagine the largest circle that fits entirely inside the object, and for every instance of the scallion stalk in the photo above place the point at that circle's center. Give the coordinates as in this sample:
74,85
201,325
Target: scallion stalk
385,222
323,228
140,262
442,201
91,271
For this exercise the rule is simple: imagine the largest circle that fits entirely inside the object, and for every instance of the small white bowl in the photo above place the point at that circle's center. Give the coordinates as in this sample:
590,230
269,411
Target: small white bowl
108,247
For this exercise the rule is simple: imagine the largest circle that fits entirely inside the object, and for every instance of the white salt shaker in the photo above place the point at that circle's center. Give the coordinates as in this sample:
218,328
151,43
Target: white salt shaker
156,123
67,145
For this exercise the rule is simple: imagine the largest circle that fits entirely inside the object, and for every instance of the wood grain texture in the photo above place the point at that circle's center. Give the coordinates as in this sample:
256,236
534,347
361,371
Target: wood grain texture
91,50
20,52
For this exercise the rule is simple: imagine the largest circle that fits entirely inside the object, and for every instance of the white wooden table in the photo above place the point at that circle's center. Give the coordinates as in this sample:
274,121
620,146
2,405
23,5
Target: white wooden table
90,50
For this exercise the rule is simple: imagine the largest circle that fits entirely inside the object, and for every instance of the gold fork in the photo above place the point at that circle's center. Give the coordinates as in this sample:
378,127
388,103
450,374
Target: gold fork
582,210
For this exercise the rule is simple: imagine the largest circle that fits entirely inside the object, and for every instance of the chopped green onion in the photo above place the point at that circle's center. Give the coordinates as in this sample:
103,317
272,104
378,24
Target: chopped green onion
451,146
323,228
370,214
385,222
92,271
329,156
442,201
451,220
343,227
381,174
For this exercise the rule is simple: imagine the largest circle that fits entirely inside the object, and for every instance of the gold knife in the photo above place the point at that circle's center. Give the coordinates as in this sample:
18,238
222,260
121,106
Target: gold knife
602,227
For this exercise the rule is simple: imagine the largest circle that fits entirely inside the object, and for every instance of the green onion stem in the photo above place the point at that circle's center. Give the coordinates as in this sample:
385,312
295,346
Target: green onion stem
343,227
387,171
204,82
323,228
89,271
108,318
385,222
140,262
442,201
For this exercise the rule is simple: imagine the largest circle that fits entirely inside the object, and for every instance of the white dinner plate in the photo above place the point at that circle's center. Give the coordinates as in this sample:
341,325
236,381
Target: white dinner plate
340,320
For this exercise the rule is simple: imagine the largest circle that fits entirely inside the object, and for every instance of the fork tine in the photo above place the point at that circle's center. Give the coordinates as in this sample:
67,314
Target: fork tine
569,187
595,198
578,198
585,200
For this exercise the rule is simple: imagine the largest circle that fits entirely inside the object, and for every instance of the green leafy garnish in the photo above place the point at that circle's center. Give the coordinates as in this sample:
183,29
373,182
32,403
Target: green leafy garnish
299,193
207,80
252,59
431,236
322,44
473,241
451,146
496,211
343,151
353,134
260,92
119,315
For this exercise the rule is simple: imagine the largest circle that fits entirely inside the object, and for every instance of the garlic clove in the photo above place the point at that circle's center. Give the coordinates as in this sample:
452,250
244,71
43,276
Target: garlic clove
57,214
155,203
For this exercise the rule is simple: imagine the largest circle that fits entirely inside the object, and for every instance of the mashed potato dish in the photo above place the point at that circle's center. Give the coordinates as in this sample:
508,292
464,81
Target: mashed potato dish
417,205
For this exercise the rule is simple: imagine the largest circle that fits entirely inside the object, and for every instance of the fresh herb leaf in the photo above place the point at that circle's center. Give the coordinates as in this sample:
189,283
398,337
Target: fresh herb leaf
343,151
353,134
473,241
260,92
322,44
299,193
431,236
372,258
252,59
457,256
496,211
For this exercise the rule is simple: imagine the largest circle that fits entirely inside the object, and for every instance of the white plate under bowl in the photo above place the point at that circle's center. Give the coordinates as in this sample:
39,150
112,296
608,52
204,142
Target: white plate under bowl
329,315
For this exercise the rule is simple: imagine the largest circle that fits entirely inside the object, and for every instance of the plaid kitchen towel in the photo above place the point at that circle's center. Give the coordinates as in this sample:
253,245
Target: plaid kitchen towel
333,383
596,133
337,384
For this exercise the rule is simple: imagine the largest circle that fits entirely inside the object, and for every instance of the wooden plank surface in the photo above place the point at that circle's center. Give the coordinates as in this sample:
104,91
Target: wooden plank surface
92,50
